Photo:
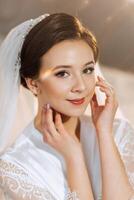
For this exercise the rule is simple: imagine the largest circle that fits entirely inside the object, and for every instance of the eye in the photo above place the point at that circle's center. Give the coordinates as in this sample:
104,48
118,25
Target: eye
90,69
61,74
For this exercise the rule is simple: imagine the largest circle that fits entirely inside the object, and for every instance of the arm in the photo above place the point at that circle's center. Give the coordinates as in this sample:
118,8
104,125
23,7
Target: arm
78,179
115,183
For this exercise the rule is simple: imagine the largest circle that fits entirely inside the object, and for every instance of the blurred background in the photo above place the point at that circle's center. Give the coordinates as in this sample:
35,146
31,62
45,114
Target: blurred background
112,22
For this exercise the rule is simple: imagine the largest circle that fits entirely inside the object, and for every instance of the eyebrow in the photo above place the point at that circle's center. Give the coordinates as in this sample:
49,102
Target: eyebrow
69,66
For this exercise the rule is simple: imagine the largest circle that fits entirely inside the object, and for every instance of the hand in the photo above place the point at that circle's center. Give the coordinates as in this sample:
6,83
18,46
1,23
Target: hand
54,134
103,116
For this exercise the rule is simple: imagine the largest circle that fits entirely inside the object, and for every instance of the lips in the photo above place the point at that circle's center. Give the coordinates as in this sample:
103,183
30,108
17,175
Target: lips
77,101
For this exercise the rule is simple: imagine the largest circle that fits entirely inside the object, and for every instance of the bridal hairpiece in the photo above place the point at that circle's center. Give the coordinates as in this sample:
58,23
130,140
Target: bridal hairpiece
33,22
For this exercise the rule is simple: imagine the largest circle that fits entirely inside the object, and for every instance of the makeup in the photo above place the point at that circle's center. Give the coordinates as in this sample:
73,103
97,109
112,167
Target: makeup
77,102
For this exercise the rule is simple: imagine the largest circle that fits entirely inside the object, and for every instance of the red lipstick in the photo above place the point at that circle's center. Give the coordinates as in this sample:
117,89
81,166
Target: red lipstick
77,101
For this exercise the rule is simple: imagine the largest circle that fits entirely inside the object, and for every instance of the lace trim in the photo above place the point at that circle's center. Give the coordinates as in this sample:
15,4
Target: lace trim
72,196
17,183
8,167
100,197
126,149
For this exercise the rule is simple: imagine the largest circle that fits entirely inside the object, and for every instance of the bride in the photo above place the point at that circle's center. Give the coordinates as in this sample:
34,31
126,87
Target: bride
61,153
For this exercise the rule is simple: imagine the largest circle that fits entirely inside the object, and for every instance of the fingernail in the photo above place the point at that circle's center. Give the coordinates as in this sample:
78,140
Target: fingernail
44,107
102,78
47,106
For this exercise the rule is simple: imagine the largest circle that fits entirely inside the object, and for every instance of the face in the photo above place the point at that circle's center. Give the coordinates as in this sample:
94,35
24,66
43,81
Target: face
73,79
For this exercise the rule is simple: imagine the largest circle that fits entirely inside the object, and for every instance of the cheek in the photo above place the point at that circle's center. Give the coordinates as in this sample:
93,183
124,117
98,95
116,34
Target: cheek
91,84
60,88
55,89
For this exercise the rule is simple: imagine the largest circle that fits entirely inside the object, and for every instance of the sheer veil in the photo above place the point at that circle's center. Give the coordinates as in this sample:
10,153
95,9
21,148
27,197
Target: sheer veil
18,106
10,81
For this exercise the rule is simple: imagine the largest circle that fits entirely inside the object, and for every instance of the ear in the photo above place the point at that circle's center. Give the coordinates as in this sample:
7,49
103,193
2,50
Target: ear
32,85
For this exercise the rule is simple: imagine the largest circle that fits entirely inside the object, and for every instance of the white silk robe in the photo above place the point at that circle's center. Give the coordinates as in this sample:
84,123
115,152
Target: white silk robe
32,169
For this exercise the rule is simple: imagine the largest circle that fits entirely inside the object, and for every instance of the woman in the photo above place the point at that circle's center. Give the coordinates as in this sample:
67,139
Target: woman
62,154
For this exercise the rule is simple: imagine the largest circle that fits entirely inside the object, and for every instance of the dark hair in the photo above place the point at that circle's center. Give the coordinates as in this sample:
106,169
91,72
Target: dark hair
44,35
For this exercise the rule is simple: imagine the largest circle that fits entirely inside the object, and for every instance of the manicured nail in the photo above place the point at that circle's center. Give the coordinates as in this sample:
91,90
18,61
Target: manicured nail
47,106
101,78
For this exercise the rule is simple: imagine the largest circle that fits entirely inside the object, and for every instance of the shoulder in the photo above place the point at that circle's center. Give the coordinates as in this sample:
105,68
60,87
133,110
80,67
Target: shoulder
120,125
123,130
123,123
20,148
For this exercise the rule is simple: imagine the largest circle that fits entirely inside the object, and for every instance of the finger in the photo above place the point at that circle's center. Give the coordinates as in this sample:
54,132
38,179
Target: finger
59,124
42,119
105,84
108,88
101,78
108,94
47,137
50,124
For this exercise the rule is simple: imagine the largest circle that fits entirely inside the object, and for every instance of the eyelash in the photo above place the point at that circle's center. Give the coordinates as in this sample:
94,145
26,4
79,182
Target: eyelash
63,71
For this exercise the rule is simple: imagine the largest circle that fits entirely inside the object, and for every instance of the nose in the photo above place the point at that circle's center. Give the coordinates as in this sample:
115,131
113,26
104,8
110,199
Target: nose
79,84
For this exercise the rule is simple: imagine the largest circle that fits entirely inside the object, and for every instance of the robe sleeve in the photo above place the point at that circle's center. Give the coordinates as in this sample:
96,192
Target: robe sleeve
124,138
17,184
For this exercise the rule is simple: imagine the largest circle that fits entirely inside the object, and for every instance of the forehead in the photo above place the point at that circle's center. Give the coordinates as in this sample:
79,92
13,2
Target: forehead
68,52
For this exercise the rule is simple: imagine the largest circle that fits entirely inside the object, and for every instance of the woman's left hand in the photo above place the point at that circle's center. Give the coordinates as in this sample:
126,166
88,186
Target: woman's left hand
103,116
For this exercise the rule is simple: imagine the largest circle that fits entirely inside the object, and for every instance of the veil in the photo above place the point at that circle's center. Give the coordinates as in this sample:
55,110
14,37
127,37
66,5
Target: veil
10,90
18,106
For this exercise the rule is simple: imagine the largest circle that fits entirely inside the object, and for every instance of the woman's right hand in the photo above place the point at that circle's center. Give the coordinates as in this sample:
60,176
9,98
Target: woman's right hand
55,134
68,145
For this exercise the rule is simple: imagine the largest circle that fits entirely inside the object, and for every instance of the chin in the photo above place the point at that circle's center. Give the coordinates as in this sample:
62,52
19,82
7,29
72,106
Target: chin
73,114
